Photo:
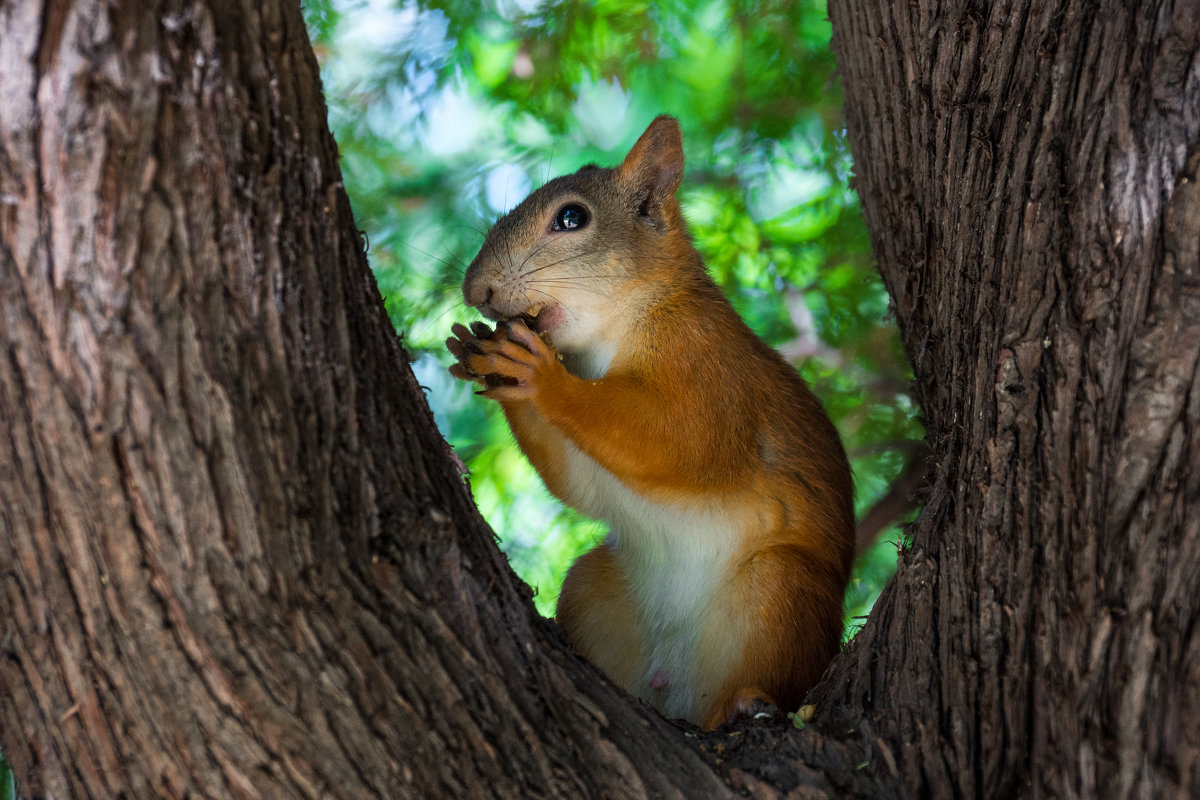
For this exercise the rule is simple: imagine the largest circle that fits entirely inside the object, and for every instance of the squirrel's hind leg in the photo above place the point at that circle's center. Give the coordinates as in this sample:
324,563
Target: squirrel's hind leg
597,612
786,600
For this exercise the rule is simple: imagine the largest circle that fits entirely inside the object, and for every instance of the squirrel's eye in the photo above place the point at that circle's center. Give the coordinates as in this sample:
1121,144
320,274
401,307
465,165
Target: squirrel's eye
571,218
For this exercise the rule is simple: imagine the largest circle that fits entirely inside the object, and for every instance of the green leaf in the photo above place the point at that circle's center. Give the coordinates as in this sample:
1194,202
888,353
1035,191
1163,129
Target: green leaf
8,785
492,60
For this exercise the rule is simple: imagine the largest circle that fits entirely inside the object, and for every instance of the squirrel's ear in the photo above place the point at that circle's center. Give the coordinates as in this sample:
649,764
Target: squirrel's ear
654,167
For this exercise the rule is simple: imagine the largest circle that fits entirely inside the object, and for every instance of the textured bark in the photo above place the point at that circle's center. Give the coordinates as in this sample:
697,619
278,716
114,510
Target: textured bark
1030,172
236,559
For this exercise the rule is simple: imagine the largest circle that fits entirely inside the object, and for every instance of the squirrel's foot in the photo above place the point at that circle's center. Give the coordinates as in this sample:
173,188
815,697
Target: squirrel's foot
749,701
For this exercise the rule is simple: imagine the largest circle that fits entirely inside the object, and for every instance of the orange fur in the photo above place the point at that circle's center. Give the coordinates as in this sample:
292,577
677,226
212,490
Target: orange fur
724,483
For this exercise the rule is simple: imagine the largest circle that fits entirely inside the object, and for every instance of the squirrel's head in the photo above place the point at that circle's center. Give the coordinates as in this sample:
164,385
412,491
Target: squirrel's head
588,249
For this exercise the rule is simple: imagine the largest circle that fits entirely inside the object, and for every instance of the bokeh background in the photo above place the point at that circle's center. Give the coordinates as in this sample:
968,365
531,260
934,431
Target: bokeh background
448,113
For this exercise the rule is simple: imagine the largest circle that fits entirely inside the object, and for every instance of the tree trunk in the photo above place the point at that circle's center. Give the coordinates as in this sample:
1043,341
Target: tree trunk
236,559
1030,173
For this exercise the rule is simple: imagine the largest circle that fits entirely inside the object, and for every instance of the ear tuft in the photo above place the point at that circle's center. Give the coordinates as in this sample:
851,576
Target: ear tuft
653,169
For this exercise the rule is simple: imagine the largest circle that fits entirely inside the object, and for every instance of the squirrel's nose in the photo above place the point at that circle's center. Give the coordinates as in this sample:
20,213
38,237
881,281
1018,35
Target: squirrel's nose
478,293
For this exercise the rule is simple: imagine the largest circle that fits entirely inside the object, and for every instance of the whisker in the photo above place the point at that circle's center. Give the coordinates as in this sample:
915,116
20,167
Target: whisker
537,248
481,231
578,288
457,264
662,259
433,322
430,324
547,295
561,260
566,280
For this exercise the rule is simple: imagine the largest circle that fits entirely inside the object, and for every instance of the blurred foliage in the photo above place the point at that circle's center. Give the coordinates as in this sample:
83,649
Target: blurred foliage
8,788
447,113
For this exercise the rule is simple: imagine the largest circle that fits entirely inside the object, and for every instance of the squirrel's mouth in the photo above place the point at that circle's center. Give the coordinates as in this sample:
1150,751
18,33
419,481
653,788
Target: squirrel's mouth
541,318
530,317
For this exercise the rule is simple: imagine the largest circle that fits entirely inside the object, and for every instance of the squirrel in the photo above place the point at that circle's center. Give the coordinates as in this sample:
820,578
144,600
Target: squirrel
644,400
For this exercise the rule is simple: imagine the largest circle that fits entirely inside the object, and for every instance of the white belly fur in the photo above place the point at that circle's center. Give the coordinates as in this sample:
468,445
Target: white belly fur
674,558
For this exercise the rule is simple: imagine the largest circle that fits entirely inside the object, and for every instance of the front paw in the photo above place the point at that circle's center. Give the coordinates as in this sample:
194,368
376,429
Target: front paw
510,362
465,343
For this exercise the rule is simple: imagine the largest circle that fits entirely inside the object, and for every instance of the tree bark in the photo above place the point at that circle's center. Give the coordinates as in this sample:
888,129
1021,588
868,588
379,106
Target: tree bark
1030,173
236,559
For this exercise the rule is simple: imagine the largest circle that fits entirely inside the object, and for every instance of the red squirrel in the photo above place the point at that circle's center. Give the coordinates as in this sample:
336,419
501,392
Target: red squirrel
643,400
